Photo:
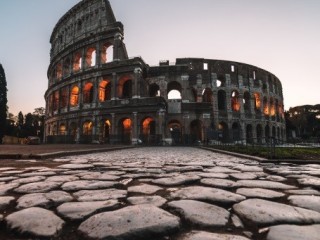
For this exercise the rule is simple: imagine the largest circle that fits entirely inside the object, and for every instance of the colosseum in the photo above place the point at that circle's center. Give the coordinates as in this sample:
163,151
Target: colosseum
96,93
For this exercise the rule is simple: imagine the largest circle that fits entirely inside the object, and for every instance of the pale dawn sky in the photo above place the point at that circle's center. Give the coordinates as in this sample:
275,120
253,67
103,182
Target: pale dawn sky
280,36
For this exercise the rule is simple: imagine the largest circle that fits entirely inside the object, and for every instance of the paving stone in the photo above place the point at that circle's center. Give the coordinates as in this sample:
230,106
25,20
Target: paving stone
177,180
33,174
309,202
222,170
213,175
29,179
5,201
314,182
276,178
294,232
245,168
262,212
76,166
263,184
236,221
99,195
199,235
182,169
45,200
156,201
303,192
7,179
4,188
35,221
144,188
259,193
13,172
4,169
87,185
38,187
62,179
136,222
100,176
244,176
200,213
213,195
81,210
222,183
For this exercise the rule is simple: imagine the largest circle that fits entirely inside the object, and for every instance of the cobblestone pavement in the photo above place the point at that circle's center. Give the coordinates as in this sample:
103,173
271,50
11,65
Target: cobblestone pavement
160,193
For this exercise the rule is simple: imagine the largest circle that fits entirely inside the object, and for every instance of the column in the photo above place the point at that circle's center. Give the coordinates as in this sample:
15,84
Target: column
116,46
114,86
135,128
98,54
136,84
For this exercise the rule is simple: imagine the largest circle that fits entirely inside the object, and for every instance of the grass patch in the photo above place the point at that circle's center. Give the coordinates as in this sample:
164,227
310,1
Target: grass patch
279,152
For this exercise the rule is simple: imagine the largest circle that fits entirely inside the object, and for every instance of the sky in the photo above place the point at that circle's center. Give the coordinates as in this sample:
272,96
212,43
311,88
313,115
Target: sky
280,36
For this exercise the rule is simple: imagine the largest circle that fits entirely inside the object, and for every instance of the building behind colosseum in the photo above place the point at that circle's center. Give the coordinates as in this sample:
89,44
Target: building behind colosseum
96,93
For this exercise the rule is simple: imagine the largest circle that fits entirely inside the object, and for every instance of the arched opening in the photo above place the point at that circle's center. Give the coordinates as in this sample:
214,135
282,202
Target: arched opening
88,93
66,67
126,130
125,88
107,53
222,100
154,90
246,102
221,81
249,134
73,130
267,133
235,102
62,129
74,96
259,134
91,57
223,133
257,101
207,95
174,127
236,132
77,62
196,131
265,106
55,100
64,98
174,90
87,128
272,107
104,91
59,71
276,107
106,129
148,130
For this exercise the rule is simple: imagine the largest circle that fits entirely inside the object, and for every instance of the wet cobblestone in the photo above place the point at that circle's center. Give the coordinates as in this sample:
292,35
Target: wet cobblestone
165,193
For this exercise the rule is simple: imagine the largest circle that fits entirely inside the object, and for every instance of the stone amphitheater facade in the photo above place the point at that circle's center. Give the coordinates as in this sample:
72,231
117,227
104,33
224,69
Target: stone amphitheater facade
96,93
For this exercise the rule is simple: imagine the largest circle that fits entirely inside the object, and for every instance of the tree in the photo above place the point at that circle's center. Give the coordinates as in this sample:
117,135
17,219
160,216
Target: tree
3,102
20,124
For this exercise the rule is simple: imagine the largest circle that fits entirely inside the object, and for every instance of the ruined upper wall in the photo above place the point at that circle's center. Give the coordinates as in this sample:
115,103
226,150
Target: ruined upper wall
86,19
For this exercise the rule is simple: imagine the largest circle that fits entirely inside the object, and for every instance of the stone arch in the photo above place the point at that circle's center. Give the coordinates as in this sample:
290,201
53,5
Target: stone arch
175,129
154,90
246,101
265,106
88,93
221,81
107,53
77,62
235,102
104,90
207,95
257,101
74,96
236,131
91,57
125,87
87,128
125,130
222,106
223,134
105,131
196,131
62,129
56,100
272,107
249,134
59,71
259,133
148,130
174,90
64,98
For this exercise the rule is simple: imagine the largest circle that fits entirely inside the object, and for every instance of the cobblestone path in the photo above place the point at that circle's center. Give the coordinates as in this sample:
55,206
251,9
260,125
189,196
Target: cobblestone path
160,193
